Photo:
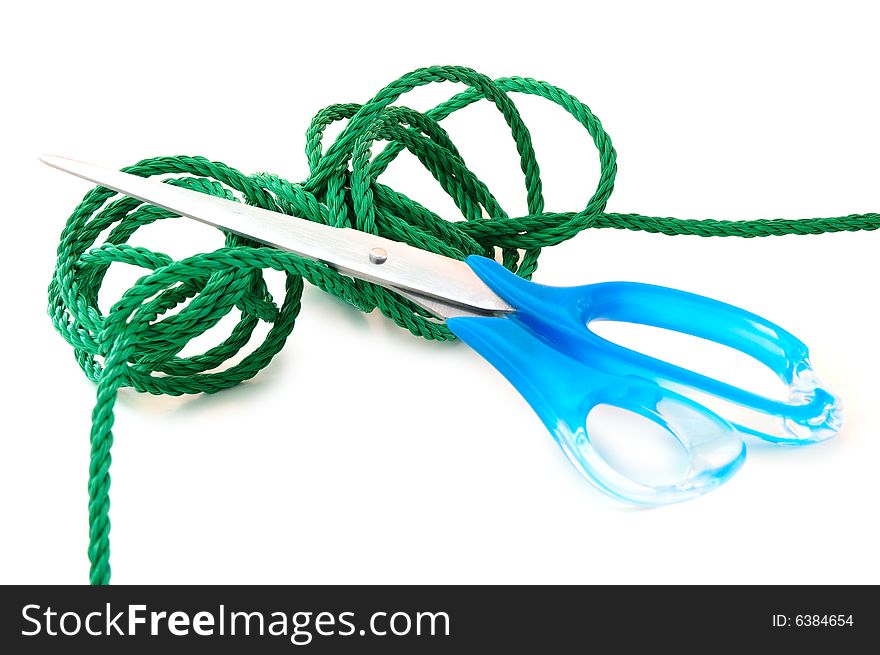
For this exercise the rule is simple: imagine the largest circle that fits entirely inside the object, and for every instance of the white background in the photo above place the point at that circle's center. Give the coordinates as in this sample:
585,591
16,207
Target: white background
362,454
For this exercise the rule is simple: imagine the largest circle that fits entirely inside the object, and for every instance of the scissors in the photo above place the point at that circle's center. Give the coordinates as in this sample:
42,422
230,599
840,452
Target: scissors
539,338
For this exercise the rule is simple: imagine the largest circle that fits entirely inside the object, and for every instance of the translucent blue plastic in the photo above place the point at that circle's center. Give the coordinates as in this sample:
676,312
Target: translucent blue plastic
547,351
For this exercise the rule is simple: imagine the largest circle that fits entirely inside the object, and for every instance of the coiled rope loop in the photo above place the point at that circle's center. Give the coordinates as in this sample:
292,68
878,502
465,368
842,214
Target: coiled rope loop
138,343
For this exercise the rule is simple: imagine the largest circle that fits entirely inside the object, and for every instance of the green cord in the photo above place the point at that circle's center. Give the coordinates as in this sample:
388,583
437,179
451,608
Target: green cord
130,346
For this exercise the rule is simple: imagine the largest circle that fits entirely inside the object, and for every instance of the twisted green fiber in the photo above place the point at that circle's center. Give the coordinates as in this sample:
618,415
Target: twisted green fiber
137,344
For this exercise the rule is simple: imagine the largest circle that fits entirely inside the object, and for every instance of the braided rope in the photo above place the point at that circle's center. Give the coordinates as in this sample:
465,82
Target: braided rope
137,345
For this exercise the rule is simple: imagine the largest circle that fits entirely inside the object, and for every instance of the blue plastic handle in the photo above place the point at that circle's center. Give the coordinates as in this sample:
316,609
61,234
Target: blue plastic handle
563,369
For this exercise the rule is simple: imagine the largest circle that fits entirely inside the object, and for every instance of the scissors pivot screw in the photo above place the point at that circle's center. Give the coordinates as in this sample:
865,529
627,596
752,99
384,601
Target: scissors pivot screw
378,255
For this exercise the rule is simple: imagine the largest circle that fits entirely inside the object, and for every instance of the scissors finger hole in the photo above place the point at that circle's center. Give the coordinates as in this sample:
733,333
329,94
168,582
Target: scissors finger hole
637,447
693,353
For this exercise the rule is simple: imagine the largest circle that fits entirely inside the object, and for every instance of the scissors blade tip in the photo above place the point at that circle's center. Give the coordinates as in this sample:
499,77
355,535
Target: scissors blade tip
55,161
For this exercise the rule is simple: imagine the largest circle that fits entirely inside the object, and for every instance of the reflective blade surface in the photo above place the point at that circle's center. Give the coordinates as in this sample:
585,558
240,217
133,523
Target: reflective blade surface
448,287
